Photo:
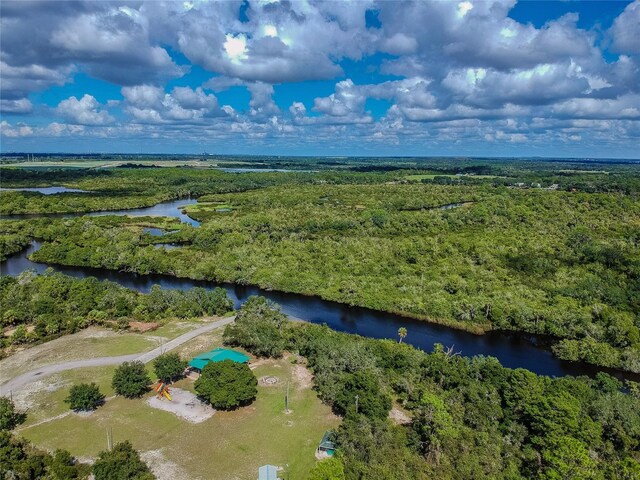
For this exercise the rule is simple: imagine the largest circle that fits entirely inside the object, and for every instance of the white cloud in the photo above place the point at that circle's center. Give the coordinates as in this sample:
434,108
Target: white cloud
625,31
298,110
149,104
18,81
261,103
282,42
625,107
44,42
399,44
236,47
86,111
463,71
11,131
22,105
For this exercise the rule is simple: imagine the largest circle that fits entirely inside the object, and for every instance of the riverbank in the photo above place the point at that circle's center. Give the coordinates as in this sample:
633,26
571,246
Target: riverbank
512,349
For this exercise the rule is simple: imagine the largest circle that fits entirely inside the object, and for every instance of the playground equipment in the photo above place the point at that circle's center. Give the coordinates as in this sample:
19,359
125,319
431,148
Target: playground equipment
162,389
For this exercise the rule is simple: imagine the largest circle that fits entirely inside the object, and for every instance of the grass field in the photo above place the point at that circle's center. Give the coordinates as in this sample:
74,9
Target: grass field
230,445
91,342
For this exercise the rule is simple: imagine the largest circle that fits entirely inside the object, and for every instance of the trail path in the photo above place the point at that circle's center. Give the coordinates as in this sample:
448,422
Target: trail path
20,381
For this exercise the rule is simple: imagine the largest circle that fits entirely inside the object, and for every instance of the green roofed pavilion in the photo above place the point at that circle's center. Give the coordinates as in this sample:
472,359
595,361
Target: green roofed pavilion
327,447
217,355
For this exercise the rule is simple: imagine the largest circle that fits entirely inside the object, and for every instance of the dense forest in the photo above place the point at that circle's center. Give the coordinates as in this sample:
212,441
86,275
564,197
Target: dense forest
119,188
468,418
41,307
543,248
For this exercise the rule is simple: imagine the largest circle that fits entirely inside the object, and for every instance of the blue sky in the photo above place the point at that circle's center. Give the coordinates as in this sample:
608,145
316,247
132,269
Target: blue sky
491,78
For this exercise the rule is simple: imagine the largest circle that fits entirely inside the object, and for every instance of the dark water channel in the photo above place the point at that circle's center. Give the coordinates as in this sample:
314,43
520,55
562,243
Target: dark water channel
514,350
45,190
171,208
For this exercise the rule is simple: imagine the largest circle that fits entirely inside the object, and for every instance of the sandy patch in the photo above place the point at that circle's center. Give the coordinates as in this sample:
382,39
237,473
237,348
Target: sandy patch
25,398
11,331
201,343
183,404
163,468
84,413
302,375
143,326
258,363
399,416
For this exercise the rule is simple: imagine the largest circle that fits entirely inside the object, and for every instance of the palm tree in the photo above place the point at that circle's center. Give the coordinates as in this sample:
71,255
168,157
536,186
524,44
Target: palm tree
402,332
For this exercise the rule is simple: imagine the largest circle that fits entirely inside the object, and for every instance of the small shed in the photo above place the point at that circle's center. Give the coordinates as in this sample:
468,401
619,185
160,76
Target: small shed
217,355
327,447
268,472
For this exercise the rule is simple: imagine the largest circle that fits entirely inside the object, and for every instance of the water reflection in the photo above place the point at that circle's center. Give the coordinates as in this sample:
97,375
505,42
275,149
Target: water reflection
512,349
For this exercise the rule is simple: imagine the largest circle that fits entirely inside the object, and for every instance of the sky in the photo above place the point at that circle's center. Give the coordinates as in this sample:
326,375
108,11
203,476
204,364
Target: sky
368,77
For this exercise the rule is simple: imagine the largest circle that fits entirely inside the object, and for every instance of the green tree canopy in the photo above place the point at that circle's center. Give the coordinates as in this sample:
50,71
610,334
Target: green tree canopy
258,328
62,466
121,463
85,396
131,379
9,416
363,388
329,469
169,366
18,460
227,385
22,461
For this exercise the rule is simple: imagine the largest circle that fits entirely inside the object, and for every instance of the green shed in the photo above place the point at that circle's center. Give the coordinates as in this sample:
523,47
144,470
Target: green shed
327,447
217,355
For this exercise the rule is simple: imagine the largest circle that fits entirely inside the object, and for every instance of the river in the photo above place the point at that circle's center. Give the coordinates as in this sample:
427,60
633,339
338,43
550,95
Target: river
514,350
172,208
45,190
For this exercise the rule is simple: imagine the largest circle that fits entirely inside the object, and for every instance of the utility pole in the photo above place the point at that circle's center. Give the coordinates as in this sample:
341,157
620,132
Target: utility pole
286,399
357,398
109,439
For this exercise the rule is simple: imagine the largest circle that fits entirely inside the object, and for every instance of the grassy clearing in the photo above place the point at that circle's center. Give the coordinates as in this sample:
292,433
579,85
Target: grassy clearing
417,178
207,207
229,445
45,399
89,343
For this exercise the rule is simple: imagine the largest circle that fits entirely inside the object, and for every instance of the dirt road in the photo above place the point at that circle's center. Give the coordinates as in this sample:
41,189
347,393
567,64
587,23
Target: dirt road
20,381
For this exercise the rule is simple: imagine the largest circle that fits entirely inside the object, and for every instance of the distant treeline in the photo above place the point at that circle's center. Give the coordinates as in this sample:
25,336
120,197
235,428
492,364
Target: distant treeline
39,307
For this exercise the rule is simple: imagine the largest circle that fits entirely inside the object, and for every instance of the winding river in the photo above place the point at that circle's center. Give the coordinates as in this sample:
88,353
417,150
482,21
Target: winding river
514,350
171,208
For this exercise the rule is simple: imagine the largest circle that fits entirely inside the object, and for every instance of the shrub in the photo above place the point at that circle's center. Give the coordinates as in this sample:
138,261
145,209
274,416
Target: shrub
121,463
372,402
169,366
258,328
62,466
131,379
85,396
329,469
227,385
9,417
